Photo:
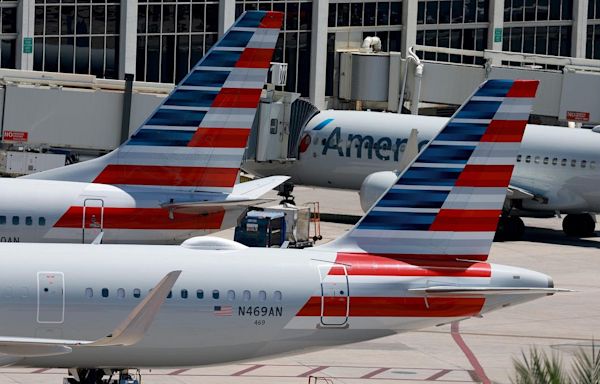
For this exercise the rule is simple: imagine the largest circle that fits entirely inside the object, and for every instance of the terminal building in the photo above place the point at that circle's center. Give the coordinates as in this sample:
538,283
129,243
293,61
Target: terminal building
158,40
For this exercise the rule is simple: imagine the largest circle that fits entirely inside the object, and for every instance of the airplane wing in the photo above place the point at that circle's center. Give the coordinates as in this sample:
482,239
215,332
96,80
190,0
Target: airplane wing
243,195
129,332
470,291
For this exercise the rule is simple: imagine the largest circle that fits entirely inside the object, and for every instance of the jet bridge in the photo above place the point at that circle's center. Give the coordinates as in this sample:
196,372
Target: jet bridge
568,89
280,119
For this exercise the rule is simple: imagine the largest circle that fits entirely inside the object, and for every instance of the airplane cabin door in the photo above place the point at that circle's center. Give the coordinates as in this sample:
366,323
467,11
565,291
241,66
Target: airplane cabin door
51,297
335,295
93,219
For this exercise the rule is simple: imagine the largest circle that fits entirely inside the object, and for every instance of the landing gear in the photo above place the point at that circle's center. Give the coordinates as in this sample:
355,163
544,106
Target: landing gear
579,225
96,376
510,228
285,190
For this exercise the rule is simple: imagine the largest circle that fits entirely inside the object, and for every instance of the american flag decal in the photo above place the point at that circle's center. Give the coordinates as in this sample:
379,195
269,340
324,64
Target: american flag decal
223,310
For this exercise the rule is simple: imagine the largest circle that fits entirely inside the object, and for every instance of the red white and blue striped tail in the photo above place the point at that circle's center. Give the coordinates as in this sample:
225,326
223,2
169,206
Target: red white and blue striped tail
447,202
196,138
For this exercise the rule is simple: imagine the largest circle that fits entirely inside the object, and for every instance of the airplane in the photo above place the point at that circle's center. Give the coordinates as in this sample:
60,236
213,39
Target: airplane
417,258
175,177
557,172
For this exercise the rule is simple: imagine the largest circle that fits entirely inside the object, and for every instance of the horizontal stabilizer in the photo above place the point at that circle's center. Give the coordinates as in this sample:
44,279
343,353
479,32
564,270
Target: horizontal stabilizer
129,332
243,195
470,291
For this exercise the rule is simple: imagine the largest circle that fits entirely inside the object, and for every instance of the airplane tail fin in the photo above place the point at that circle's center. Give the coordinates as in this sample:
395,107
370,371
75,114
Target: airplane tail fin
446,204
195,139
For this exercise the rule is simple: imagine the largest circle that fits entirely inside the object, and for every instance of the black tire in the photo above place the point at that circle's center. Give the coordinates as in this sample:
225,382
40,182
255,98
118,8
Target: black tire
510,228
579,225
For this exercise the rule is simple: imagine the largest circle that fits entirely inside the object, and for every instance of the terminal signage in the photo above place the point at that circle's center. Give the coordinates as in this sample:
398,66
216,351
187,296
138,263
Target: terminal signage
578,116
19,136
27,45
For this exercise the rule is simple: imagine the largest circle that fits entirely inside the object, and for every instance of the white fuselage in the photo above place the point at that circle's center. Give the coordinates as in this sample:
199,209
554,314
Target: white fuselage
63,211
347,146
227,305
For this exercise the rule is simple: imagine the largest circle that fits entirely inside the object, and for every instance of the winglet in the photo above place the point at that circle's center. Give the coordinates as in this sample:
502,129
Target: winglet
134,327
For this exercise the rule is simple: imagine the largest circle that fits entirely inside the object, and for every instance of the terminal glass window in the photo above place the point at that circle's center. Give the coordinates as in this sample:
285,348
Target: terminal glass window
8,34
294,43
173,36
593,40
77,38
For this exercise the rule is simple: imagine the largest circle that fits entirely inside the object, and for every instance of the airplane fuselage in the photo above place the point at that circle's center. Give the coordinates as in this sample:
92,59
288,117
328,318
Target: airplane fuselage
229,305
559,164
61,211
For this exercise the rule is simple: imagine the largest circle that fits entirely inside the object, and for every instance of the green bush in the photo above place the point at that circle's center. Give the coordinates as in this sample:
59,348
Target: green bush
541,368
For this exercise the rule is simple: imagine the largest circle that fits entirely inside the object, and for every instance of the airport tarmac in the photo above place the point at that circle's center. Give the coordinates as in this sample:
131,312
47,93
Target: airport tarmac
476,350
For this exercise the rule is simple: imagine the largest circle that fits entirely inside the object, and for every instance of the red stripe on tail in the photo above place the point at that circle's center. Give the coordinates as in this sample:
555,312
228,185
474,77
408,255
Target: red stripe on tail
237,98
463,220
272,20
504,131
220,138
167,175
485,176
255,58
523,88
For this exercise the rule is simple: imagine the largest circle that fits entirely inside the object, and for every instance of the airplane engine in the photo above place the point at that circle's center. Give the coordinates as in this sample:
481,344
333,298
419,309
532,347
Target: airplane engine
373,187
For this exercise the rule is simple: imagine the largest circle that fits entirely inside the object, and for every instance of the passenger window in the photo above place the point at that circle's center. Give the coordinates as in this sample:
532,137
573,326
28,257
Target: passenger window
528,159
200,294
184,294
554,160
15,220
246,295
563,162
583,163
2,220
137,293
573,163
536,160
277,295
121,293
42,221
230,295
592,164
215,294
518,158
89,293
546,160
262,295
104,292
170,294
28,220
